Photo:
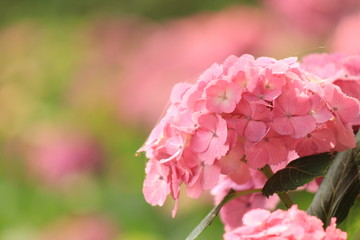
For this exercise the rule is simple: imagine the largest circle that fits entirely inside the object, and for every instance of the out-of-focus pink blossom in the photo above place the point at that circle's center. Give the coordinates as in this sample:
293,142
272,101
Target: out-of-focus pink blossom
345,37
291,224
58,156
292,112
84,228
311,17
178,51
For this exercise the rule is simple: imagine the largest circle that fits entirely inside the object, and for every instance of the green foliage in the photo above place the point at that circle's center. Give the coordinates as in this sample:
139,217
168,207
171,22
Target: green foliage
352,222
297,173
339,189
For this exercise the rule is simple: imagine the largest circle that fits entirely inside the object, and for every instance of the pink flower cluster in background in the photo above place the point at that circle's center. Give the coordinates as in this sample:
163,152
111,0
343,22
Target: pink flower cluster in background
206,37
311,17
261,224
345,37
88,227
262,111
58,156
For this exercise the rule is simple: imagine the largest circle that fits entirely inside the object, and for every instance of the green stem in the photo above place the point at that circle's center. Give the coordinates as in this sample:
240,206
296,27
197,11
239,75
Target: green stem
232,194
212,214
284,197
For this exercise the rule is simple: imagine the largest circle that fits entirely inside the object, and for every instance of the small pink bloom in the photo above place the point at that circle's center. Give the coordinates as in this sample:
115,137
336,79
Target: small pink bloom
156,186
319,141
344,135
319,110
344,107
204,177
209,140
266,88
222,96
253,117
232,165
291,114
270,150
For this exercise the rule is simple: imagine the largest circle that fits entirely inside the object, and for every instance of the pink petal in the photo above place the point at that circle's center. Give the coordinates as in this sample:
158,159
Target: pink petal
155,187
178,91
256,217
302,125
210,176
283,125
201,140
255,131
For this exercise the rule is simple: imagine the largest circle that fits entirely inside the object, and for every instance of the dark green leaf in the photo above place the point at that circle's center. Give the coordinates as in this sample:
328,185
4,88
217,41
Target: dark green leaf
339,188
297,173
351,225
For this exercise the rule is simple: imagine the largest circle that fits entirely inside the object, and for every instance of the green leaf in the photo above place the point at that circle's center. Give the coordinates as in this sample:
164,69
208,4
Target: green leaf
339,188
297,173
351,224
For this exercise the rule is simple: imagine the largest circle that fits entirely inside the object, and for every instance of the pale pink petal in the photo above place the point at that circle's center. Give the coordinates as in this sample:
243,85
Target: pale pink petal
156,188
201,140
319,141
255,131
210,176
283,125
302,125
178,91
195,190
256,217
345,107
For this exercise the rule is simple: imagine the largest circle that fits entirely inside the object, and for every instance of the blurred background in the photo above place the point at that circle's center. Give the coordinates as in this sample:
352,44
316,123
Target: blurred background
83,82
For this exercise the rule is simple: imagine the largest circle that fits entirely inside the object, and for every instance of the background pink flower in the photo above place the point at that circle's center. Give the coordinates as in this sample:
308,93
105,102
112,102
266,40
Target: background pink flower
57,156
89,227
344,38
178,51
311,17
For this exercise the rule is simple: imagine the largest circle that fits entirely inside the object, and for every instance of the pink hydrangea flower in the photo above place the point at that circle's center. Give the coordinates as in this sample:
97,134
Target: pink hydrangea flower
311,17
90,227
245,113
206,37
343,38
58,156
291,224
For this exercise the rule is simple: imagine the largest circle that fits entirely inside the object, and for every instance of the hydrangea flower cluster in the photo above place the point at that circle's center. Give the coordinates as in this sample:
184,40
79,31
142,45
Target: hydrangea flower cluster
339,69
261,224
244,113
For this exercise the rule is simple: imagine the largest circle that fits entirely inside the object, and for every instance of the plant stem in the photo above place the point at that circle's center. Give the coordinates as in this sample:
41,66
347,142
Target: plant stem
232,194
212,214
284,197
